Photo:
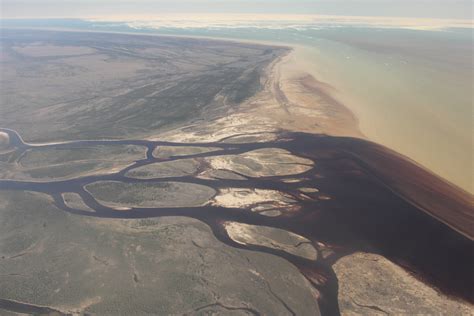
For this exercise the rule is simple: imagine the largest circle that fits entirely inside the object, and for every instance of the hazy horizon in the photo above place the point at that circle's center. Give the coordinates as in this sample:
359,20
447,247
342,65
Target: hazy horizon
453,9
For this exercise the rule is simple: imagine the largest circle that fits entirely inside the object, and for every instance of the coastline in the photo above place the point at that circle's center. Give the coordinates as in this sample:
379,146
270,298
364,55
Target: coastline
415,126
313,100
293,101
284,154
413,182
300,80
432,139
347,109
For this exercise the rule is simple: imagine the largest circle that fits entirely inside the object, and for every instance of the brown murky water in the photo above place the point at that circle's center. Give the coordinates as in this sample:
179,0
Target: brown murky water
360,205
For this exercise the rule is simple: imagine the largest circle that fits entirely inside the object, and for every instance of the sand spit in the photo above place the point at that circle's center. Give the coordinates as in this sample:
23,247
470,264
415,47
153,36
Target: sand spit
309,104
289,100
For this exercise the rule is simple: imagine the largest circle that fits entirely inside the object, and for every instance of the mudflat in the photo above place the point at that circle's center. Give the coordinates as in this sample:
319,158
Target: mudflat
160,175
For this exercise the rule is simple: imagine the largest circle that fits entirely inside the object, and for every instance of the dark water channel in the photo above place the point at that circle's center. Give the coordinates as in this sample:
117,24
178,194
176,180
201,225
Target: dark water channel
361,212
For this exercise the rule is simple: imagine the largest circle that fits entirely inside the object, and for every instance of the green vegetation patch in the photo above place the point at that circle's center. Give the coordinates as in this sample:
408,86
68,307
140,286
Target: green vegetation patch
176,168
63,163
169,151
42,157
150,195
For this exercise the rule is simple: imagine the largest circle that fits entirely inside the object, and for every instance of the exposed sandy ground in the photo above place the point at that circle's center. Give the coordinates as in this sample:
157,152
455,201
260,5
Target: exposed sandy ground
289,100
251,198
305,104
262,162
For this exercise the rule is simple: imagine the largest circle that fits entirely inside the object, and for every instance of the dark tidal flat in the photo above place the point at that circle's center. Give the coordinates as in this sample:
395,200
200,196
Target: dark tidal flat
134,180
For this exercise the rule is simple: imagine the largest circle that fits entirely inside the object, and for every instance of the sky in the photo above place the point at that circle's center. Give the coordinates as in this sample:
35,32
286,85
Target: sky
451,9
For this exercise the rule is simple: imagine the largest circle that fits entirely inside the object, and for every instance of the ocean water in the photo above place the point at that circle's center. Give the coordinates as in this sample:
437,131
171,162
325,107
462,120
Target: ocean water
411,90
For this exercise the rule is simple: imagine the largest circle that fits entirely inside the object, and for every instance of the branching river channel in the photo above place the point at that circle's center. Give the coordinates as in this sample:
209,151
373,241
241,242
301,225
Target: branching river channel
355,208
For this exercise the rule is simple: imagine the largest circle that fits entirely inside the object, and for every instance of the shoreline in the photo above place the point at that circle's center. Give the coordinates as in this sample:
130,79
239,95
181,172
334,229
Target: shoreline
303,90
407,186
295,64
300,87
318,85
